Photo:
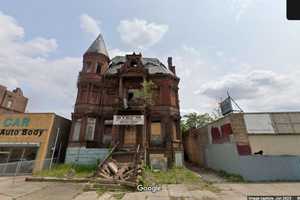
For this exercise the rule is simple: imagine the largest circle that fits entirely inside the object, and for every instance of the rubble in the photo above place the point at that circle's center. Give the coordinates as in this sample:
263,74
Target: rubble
111,169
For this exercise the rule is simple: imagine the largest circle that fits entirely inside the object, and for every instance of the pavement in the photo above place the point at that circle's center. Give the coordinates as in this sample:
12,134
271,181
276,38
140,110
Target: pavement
17,189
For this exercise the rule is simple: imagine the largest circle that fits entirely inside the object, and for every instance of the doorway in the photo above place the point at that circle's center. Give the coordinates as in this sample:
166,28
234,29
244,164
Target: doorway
129,136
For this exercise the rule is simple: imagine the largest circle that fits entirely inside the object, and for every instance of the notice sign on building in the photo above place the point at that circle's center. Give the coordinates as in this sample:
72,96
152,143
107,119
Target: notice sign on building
128,120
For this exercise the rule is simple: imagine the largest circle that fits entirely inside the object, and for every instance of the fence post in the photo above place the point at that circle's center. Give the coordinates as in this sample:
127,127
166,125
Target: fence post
54,148
18,165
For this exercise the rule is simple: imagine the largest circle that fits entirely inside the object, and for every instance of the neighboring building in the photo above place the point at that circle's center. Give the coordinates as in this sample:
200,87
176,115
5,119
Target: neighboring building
108,111
31,139
255,145
12,101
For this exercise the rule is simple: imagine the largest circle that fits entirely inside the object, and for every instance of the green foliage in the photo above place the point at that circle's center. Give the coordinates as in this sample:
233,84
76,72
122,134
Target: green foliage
66,170
176,175
195,120
171,176
146,93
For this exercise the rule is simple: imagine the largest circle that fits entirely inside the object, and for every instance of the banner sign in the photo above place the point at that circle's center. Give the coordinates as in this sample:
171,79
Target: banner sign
128,120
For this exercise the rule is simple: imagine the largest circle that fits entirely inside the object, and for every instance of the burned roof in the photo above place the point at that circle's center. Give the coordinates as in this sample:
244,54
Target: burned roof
153,65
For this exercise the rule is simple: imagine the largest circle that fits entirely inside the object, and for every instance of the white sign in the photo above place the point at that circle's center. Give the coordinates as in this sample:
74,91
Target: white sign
128,120
259,124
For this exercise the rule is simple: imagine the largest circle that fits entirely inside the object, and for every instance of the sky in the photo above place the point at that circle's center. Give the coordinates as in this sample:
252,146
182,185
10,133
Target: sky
246,47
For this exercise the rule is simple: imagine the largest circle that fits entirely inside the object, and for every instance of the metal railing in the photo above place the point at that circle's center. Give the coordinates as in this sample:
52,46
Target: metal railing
24,167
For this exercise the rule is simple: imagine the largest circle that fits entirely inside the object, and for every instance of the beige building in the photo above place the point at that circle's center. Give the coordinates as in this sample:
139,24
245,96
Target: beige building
268,133
32,138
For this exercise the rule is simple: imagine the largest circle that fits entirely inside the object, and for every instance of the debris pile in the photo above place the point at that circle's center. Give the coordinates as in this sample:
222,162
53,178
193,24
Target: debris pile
111,169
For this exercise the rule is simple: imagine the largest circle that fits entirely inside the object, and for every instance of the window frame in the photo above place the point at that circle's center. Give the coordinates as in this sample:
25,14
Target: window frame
77,121
91,125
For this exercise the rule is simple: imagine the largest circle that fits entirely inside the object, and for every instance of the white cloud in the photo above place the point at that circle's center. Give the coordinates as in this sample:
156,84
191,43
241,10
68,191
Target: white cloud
244,86
38,46
257,90
139,33
49,84
240,7
204,83
117,52
89,25
9,29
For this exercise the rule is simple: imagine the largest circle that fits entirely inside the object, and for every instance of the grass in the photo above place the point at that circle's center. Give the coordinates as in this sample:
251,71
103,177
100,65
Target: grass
68,170
176,176
225,175
230,177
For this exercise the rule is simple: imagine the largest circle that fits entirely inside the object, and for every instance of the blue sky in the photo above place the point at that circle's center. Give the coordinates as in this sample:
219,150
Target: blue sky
246,46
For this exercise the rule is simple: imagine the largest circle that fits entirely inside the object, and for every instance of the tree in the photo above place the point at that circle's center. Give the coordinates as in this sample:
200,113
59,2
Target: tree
146,92
195,120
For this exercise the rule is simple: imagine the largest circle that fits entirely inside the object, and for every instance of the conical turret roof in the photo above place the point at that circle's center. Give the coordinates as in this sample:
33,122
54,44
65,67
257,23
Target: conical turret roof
98,46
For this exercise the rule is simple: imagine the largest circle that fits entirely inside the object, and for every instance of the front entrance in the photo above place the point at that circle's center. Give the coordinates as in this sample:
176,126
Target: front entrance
130,138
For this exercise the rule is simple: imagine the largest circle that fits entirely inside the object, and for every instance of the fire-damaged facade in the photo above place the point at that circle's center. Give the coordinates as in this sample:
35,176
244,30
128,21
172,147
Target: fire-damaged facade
109,112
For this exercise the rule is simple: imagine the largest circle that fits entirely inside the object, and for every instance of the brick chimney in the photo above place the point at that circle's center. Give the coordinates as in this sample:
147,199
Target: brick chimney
170,65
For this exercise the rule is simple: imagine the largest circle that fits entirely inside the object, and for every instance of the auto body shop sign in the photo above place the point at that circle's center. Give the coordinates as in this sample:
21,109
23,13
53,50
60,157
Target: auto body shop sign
128,120
19,126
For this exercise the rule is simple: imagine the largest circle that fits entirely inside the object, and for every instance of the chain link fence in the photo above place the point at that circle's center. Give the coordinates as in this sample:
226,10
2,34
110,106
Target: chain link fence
24,167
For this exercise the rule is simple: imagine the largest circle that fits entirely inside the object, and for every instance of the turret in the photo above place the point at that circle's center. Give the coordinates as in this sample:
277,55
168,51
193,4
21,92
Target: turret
96,58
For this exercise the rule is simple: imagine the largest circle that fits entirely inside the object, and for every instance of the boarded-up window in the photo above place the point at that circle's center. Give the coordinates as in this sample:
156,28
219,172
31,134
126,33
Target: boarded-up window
130,135
173,97
90,129
76,132
156,138
9,104
174,131
106,139
156,96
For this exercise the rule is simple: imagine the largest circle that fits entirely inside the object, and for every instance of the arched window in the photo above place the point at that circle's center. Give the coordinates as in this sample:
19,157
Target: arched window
99,68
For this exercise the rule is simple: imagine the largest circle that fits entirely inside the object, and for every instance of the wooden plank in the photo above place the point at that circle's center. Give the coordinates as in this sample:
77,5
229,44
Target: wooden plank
113,167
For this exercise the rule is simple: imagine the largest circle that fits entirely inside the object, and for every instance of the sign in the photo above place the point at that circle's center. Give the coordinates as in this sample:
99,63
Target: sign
21,132
226,106
128,120
15,122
